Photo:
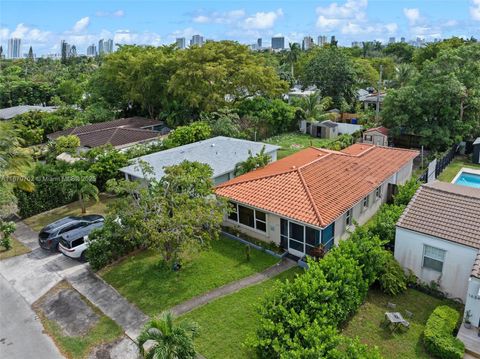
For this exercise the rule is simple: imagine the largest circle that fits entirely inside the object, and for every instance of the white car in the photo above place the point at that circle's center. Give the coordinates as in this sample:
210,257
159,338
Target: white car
74,244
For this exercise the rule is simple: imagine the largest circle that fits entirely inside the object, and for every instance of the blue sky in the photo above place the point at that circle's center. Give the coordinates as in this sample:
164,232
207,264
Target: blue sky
43,24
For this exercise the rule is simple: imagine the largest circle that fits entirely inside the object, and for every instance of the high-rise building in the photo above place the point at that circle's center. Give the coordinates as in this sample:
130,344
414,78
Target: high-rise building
108,46
259,43
278,43
196,40
307,43
181,44
392,40
333,40
100,47
355,43
92,50
14,48
402,39
321,40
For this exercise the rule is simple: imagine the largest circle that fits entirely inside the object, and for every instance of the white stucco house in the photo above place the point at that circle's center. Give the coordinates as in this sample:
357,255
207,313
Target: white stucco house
315,196
221,153
376,136
438,238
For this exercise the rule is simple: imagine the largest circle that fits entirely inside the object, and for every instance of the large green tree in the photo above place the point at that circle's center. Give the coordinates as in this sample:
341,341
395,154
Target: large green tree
219,73
175,215
333,73
442,103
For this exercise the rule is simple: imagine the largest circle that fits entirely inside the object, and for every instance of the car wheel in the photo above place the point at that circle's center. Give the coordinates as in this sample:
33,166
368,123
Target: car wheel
83,257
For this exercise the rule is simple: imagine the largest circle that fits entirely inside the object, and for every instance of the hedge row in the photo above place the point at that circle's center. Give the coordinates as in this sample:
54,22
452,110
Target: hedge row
325,296
438,335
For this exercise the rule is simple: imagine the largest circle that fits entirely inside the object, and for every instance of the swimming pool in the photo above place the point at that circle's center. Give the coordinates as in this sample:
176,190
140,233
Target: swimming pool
468,179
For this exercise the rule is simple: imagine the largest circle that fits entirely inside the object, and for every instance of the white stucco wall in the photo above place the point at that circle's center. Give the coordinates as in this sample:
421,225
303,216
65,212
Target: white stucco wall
457,266
271,235
473,300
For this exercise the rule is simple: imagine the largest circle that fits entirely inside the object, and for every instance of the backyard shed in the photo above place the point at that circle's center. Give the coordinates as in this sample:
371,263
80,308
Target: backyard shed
476,151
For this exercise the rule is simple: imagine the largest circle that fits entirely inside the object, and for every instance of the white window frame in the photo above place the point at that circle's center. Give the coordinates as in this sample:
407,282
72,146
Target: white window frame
255,219
366,202
348,217
444,252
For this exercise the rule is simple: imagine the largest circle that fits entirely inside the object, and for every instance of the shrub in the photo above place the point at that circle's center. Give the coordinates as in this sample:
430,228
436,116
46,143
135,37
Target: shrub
392,278
6,230
109,243
438,335
184,135
406,192
384,222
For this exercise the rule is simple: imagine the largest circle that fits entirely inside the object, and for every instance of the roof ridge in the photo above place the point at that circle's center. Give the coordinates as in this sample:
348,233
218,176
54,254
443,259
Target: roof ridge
310,198
113,134
226,184
468,194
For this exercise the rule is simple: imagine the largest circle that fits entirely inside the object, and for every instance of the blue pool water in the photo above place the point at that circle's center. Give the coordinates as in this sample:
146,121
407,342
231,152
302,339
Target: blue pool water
468,179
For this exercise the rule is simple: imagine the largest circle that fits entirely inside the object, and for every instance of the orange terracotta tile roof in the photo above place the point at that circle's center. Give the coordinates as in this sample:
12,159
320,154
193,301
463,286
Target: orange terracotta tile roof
315,185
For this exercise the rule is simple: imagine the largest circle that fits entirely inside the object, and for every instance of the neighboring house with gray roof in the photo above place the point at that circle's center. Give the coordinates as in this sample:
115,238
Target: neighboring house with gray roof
438,238
220,153
476,151
10,112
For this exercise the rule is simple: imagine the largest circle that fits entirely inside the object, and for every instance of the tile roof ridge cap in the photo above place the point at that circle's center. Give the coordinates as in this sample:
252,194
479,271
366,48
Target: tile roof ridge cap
113,134
433,187
310,198
93,131
314,160
227,184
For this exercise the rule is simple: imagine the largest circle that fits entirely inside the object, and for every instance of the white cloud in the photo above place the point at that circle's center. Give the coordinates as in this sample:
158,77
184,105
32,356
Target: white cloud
20,31
350,18
81,24
117,13
262,20
475,10
27,34
131,37
201,19
412,15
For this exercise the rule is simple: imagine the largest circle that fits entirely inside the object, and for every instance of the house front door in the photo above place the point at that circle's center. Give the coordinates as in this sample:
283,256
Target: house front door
296,248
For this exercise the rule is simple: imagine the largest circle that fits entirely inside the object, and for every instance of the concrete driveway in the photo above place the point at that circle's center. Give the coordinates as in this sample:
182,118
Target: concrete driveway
21,333
23,280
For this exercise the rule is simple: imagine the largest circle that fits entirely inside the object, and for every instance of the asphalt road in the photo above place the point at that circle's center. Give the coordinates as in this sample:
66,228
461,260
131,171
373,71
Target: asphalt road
21,333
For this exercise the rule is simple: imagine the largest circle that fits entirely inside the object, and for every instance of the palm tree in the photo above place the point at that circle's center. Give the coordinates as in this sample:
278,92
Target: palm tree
293,55
82,182
169,340
15,162
314,107
403,74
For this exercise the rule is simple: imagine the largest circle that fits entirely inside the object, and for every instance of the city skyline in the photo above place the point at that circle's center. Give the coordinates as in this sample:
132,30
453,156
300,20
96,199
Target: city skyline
43,26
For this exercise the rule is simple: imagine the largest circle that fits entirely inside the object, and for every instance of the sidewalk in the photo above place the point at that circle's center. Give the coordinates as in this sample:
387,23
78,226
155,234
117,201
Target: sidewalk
271,272
26,235
109,301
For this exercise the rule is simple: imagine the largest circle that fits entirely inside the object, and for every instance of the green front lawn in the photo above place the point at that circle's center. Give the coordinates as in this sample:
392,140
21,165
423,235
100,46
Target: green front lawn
456,165
404,344
17,249
154,288
294,141
226,323
40,220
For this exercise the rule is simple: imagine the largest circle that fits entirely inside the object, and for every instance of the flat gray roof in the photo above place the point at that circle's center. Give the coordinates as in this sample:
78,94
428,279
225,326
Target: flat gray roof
220,153
11,112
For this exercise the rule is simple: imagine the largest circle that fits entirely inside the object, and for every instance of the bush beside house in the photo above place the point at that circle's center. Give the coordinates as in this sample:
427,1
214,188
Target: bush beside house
438,335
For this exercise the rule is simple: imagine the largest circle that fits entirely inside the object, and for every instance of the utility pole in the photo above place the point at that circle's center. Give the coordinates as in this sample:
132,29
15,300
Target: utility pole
377,109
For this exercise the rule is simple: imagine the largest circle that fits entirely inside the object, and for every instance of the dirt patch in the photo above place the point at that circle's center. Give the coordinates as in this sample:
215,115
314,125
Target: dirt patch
66,307
122,348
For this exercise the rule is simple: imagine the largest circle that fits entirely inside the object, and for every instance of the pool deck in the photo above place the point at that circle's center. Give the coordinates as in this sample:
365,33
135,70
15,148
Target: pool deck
465,170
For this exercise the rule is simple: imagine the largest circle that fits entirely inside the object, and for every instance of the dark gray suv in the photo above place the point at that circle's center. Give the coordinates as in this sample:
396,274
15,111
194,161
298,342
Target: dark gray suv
50,235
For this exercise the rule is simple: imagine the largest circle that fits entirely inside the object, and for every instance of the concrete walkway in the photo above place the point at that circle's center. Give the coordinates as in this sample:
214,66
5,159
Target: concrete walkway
271,272
26,235
109,301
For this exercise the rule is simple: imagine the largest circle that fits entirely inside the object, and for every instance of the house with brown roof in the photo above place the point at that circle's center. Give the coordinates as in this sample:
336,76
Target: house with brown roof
121,133
438,238
376,136
315,196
